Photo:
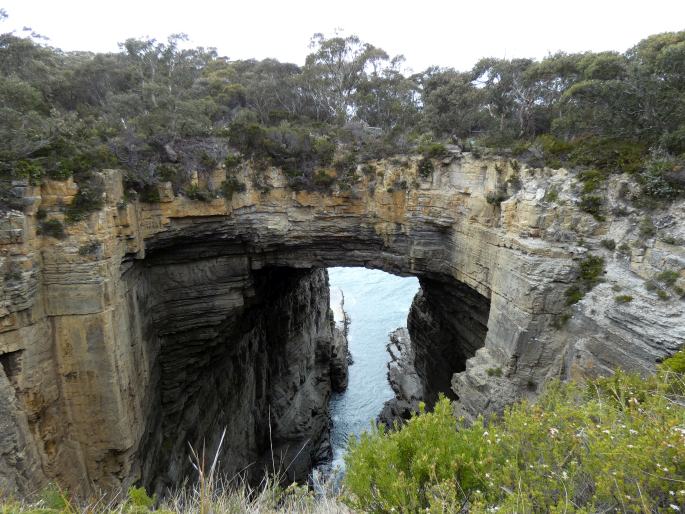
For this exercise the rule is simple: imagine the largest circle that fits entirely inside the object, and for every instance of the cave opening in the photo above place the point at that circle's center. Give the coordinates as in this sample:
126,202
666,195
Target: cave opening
249,345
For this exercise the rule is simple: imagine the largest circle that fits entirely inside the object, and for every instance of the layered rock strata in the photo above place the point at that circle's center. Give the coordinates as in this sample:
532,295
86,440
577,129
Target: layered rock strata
405,382
94,326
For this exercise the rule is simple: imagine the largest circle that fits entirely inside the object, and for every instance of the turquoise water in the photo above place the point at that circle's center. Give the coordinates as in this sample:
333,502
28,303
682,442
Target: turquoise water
377,304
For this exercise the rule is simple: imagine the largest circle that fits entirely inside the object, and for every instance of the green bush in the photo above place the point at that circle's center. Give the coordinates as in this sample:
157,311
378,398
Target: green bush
232,161
425,167
53,228
609,244
433,150
552,194
496,197
592,204
232,185
615,444
194,192
403,470
592,180
613,155
623,298
668,277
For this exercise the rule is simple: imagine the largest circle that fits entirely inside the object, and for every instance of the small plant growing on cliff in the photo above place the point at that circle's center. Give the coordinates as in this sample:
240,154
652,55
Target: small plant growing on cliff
552,195
425,167
590,269
623,298
496,197
609,244
494,372
53,228
592,204
668,277
232,185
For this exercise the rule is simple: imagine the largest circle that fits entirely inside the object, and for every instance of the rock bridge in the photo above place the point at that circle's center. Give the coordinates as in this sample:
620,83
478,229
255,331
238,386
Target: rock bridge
151,326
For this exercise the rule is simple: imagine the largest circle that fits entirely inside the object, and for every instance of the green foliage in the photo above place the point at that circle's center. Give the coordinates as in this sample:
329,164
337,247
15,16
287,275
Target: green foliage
403,470
609,244
592,180
232,161
647,228
496,197
574,294
608,154
592,204
663,295
432,150
494,372
53,228
591,269
194,192
88,199
675,363
551,195
149,193
232,185
614,444
662,176
668,277
425,167
138,501
623,298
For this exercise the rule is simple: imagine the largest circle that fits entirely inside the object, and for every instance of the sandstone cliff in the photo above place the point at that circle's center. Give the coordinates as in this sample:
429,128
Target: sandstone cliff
151,325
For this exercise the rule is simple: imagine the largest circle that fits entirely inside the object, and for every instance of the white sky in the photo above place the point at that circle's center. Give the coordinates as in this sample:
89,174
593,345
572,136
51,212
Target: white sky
447,33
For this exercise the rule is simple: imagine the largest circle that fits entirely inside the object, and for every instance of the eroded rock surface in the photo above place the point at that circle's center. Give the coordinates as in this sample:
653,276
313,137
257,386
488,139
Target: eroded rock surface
405,382
132,335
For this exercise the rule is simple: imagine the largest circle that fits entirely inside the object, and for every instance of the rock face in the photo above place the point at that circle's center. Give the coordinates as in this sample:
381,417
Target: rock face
405,382
152,325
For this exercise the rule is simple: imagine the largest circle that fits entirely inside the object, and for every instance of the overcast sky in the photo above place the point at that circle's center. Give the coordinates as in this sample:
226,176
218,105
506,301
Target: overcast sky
452,33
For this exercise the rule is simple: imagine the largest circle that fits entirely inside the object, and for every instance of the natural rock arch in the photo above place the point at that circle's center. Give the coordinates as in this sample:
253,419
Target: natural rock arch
115,339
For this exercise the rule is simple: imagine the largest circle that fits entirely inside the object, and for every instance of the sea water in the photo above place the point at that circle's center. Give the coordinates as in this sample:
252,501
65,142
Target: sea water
377,303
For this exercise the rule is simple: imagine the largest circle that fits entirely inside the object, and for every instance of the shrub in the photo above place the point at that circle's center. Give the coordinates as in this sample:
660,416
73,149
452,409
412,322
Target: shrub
623,298
663,295
574,294
668,277
53,228
425,167
149,193
232,161
88,199
647,228
552,195
232,185
433,150
592,205
610,154
591,268
613,444
591,180
496,197
195,193
625,249
494,372
658,178
609,244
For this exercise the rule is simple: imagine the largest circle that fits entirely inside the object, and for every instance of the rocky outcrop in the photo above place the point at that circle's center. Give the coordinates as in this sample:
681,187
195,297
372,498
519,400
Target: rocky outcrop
405,382
135,333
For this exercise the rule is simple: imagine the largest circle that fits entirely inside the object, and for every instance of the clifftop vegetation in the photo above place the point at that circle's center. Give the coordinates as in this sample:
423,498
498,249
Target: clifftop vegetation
161,110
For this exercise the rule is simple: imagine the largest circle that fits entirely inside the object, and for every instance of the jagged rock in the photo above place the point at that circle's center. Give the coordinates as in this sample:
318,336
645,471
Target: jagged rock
192,316
403,378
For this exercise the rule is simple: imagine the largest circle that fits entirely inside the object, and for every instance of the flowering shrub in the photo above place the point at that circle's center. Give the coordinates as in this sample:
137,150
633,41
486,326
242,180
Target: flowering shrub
616,443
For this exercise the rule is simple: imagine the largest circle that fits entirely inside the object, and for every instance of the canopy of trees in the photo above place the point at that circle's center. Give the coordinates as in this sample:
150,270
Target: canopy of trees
161,109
